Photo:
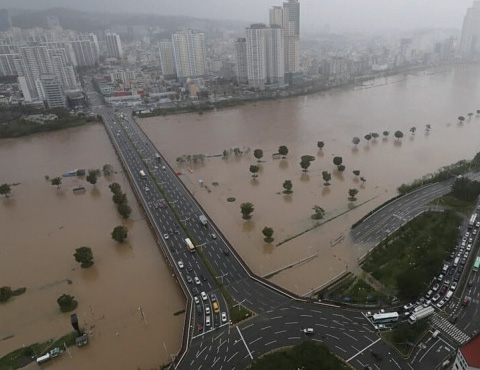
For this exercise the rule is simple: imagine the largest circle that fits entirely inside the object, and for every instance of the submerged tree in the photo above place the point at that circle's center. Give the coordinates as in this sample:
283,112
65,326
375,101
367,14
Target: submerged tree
267,232
355,141
413,129
5,189
318,214
368,137
375,136
287,185
67,302
120,233
398,134
84,256
92,177
283,150
254,170
246,209
56,181
385,134
352,193
258,153
320,145
327,176
356,172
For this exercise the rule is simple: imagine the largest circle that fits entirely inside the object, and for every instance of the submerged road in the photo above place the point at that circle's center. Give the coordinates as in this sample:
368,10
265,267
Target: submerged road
210,342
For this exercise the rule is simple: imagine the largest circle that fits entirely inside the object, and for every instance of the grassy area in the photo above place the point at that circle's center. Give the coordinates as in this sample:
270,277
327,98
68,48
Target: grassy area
405,336
409,259
307,355
23,356
355,290
459,205
19,128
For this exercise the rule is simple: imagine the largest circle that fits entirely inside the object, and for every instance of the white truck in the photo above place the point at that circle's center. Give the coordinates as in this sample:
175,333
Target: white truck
423,313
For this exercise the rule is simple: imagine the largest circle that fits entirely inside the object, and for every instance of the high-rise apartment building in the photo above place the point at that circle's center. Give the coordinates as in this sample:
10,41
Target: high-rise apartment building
114,45
276,16
51,91
265,55
5,23
256,58
190,54
274,44
241,61
7,66
85,49
167,59
470,41
291,32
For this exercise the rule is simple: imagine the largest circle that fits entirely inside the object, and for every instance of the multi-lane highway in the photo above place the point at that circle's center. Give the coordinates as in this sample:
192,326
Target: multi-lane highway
279,318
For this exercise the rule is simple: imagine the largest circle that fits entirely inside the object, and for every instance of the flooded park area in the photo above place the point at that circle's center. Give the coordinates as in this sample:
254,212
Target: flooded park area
41,228
435,98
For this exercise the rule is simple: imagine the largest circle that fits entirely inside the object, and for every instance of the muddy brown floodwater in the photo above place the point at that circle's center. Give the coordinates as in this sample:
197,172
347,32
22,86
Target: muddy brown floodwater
41,227
435,97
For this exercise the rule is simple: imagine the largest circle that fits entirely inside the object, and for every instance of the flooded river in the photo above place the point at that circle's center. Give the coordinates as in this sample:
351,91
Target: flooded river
435,98
41,227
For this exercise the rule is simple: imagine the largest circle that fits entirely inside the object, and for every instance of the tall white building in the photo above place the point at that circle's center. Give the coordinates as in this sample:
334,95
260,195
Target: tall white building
241,61
256,58
85,49
7,66
274,44
190,54
114,45
291,31
265,55
167,58
470,41
51,91
276,16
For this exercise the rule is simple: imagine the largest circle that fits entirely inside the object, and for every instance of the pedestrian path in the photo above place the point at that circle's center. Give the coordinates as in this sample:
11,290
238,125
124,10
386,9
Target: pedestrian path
451,330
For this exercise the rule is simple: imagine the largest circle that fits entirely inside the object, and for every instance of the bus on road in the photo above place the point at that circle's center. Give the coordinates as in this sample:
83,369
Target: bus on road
476,265
190,245
142,174
385,318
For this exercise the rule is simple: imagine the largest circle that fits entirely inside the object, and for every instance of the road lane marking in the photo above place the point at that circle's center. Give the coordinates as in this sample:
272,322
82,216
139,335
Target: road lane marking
333,336
241,336
234,355
253,341
291,323
279,332
293,338
340,348
266,327
360,352
267,344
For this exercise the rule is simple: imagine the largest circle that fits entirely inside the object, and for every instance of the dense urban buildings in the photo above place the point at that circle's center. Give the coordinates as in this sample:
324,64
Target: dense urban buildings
167,59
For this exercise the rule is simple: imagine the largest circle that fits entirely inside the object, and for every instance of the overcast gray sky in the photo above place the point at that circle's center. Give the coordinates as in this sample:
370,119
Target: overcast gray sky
339,14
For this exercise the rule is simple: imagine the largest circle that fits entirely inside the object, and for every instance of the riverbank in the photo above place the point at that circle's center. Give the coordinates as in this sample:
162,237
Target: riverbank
205,106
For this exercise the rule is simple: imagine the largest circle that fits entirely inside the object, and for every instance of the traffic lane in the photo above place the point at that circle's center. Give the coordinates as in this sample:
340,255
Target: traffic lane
431,352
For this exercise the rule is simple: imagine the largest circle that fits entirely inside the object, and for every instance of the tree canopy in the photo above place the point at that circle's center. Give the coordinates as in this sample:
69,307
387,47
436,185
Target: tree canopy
466,189
56,181
327,176
319,212
254,170
287,185
355,141
352,193
5,189
320,144
283,150
246,209
67,302
398,134
268,232
92,177
84,256
337,161
258,153
120,233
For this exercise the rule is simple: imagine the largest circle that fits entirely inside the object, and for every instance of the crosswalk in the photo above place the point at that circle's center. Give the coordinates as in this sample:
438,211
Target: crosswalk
447,328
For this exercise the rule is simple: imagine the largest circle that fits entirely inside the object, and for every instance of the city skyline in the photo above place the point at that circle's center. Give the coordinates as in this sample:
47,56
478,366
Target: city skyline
316,14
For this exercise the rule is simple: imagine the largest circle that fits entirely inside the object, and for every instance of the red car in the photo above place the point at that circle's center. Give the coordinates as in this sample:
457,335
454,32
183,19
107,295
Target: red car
466,301
444,289
200,327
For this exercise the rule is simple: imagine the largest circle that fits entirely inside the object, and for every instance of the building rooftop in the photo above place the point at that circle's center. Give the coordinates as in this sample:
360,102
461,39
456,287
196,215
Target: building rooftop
471,352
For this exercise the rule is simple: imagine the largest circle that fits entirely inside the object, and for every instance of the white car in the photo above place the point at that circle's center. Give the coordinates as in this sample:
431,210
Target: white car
204,296
180,264
147,188
196,300
197,280
453,286
165,236
308,330
224,317
207,310
441,303
207,321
